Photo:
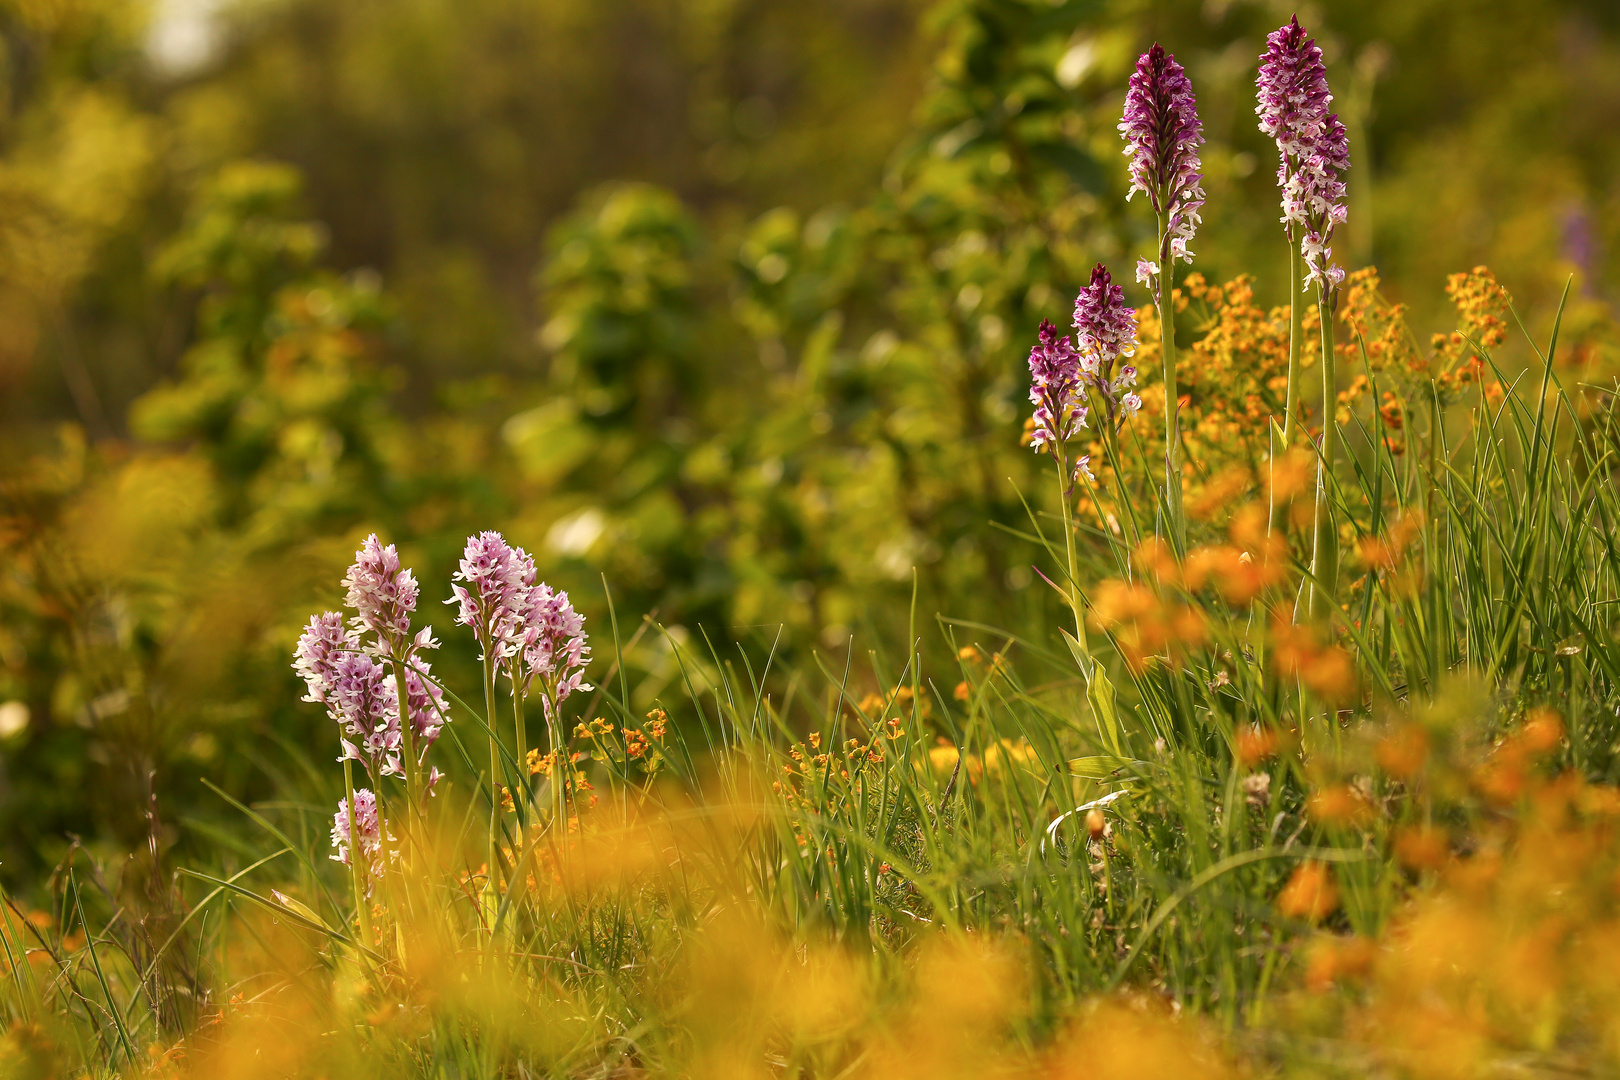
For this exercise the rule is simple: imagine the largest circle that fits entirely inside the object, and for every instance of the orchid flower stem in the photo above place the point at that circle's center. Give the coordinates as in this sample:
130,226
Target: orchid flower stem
1325,554
562,775
1177,526
1065,493
356,875
1295,333
494,780
521,799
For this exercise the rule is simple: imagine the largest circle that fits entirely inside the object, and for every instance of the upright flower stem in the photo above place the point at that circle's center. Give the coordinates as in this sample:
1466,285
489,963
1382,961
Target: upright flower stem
490,899
357,879
1296,334
1065,493
413,777
562,778
521,805
1177,526
1325,554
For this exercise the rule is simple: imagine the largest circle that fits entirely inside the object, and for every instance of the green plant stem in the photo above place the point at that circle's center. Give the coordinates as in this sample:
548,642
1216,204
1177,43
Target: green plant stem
1296,335
1172,398
1325,553
494,785
521,804
1064,491
356,875
413,780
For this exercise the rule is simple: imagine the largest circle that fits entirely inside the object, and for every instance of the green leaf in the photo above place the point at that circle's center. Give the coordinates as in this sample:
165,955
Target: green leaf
1102,766
1100,692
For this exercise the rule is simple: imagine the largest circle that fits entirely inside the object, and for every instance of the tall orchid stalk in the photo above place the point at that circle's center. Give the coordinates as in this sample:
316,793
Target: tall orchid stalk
1063,377
531,634
493,582
1162,133
358,671
1313,152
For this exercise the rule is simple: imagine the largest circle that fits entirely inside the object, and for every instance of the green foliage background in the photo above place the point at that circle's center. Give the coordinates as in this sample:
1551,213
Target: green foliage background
722,306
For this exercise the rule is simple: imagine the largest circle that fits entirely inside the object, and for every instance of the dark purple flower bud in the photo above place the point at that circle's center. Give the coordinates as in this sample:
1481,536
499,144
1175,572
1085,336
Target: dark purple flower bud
1313,148
1061,373
1106,326
1162,133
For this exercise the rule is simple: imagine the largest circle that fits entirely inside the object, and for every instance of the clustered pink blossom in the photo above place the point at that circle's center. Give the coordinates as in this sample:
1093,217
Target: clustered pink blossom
1314,149
1162,133
368,826
355,679
551,647
528,629
495,579
381,594
357,690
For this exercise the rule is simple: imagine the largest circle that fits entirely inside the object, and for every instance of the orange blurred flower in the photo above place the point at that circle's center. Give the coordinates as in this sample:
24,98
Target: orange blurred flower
1255,744
1422,847
1143,624
1310,894
1403,752
1340,804
1325,670
1332,959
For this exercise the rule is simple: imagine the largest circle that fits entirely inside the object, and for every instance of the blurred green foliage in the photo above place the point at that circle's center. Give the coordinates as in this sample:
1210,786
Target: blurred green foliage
723,305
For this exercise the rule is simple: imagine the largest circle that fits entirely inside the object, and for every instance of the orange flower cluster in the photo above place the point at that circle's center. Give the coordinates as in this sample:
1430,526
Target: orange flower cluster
997,757
1481,304
1233,379
1504,776
1376,325
1310,894
1325,670
639,744
1144,624
1513,951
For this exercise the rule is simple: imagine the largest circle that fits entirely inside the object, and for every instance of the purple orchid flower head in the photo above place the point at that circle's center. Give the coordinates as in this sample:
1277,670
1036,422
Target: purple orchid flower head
1162,135
1313,148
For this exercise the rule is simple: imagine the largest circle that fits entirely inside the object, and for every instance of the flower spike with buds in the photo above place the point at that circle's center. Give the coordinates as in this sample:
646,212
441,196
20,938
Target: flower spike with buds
1106,334
1162,133
1063,373
382,596
367,829
1312,146
1054,383
357,691
551,647
1313,152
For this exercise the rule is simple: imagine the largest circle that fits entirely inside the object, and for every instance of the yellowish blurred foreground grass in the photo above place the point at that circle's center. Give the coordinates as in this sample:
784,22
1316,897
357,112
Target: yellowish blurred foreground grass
652,942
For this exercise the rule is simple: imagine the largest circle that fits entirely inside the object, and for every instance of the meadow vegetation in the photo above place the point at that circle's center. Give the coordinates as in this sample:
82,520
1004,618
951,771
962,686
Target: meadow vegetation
1248,703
